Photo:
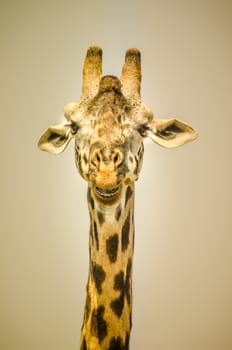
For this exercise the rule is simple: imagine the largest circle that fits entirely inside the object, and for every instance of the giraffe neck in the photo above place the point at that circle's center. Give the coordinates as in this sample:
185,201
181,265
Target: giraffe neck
107,318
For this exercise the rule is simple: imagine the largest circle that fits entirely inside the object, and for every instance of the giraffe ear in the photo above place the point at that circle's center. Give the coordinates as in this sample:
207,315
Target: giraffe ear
170,133
56,138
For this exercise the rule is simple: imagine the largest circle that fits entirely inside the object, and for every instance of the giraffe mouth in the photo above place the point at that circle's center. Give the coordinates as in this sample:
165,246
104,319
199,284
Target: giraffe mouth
107,195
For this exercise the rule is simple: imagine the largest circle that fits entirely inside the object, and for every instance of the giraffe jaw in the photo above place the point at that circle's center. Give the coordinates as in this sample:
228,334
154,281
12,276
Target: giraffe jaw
107,195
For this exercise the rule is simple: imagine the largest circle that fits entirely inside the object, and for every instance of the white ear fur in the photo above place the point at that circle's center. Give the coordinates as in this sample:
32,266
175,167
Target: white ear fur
56,138
170,133
69,109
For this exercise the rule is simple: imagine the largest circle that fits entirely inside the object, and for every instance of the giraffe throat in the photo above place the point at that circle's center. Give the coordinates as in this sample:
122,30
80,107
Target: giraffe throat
107,318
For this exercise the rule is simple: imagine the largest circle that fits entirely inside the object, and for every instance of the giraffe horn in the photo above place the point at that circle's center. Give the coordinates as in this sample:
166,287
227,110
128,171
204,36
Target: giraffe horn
92,71
131,74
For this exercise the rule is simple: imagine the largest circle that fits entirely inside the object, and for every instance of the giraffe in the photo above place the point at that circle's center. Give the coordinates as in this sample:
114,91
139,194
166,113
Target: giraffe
109,124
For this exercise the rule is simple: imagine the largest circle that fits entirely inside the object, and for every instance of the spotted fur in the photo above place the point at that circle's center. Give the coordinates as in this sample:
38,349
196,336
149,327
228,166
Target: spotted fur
126,232
98,275
112,247
109,124
98,326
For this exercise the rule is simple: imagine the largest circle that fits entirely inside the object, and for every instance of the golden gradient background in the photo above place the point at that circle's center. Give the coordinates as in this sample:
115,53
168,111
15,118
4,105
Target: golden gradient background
183,249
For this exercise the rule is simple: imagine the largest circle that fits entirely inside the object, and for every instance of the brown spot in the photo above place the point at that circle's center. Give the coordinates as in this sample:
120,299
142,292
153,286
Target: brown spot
116,343
140,151
122,284
119,281
85,159
137,166
118,212
95,232
98,275
101,217
128,194
127,286
112,247
91,233
83,345
126,346
87,307
117,304
125,233
98,326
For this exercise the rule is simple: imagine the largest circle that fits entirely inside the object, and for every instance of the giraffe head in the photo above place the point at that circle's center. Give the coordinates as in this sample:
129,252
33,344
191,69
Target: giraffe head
109,124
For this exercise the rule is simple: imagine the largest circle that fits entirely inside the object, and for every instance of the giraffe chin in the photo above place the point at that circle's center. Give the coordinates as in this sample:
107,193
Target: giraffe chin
107,196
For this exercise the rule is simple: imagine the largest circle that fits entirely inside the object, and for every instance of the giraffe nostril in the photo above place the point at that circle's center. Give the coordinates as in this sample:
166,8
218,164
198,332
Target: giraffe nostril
117,158
104,158
96,159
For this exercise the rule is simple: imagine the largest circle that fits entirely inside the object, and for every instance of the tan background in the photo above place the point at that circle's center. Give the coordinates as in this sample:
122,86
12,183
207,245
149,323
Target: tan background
183,250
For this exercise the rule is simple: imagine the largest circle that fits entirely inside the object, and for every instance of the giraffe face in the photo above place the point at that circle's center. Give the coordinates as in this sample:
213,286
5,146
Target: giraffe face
109,124
108,143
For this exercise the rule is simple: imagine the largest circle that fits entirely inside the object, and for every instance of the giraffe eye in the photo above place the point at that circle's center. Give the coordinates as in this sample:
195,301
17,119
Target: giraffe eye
142,130
74,128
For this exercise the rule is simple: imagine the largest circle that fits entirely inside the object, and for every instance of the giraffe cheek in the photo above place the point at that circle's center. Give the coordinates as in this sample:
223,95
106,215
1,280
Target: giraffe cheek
130,177
82,166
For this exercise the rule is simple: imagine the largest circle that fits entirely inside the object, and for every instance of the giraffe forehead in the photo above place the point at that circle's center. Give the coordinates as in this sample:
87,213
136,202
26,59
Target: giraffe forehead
109,122
109,137
109,126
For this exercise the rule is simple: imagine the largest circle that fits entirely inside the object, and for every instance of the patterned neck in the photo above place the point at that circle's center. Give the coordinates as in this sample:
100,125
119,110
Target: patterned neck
107,318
